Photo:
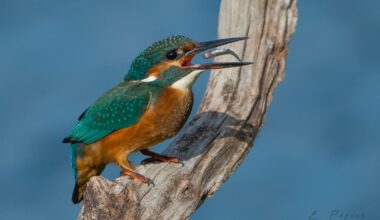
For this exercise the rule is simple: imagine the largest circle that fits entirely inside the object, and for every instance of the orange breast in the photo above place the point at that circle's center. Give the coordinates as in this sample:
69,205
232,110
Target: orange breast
163,119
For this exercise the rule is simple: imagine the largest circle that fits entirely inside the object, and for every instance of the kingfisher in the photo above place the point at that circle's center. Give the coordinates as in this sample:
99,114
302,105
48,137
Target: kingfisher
150,105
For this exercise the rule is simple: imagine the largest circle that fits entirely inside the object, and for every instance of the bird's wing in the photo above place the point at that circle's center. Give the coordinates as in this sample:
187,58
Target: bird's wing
120,107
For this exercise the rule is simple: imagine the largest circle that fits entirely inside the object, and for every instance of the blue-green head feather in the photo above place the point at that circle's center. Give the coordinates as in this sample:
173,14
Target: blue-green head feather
153,55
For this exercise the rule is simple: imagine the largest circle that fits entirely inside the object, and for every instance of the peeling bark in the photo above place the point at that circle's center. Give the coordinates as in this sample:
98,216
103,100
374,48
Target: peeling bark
219,137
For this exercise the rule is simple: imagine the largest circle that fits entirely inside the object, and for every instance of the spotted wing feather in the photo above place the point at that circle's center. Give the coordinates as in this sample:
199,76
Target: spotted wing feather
120,107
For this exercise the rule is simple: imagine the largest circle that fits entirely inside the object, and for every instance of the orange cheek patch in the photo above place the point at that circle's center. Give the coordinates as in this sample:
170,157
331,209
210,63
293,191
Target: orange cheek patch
157,69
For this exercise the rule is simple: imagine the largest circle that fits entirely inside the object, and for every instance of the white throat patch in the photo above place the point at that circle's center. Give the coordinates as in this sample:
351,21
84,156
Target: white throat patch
149,79
186,82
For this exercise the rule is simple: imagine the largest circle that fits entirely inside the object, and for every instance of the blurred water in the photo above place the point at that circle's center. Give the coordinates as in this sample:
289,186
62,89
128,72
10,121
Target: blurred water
319,148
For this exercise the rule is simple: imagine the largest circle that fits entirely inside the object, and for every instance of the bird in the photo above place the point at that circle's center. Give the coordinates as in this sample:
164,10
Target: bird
150,105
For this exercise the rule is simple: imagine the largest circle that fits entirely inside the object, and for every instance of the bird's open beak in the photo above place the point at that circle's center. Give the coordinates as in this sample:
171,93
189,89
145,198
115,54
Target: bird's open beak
203,46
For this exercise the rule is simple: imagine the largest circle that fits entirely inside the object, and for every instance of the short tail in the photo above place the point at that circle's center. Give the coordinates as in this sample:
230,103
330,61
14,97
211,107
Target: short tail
77,196
83,177
82,172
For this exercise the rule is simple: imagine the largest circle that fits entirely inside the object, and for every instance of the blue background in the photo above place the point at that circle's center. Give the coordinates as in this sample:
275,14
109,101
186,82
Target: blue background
319,149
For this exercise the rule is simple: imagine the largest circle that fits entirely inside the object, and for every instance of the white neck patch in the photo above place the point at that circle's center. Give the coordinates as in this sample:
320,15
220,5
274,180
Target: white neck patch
186,82
149,79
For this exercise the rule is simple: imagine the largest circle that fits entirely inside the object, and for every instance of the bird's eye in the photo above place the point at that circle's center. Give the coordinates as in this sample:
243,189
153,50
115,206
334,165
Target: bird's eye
171,55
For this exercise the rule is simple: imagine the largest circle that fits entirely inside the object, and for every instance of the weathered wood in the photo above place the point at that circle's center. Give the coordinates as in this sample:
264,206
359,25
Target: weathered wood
217,140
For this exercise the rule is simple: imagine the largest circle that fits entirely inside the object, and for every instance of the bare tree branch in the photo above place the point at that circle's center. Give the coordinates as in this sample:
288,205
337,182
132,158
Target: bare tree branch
217,140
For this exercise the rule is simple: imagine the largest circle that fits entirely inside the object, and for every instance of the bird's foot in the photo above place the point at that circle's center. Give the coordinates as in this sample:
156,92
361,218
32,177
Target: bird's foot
162,159
137,177
155,157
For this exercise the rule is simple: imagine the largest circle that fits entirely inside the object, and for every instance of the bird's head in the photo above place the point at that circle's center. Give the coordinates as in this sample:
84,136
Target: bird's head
169,60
